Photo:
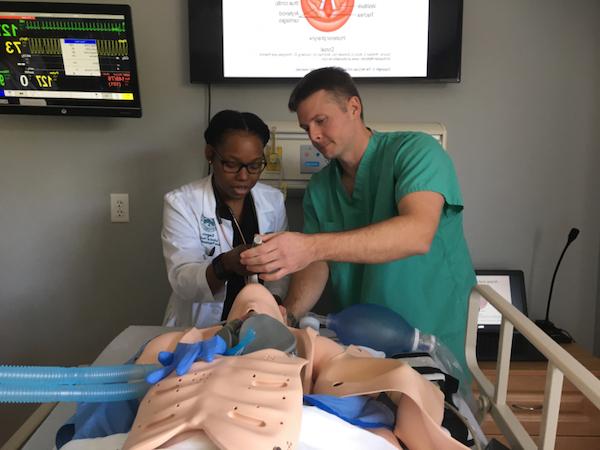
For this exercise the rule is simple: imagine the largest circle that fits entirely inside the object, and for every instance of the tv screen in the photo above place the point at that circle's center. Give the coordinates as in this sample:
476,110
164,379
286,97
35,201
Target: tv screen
241,40
67,59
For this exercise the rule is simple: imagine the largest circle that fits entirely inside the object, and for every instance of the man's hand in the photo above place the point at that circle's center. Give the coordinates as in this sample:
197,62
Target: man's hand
280,254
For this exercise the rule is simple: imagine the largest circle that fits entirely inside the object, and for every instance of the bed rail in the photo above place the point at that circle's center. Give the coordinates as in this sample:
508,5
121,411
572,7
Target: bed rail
560,364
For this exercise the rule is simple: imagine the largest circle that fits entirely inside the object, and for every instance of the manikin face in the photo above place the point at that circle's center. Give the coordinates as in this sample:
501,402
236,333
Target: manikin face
331,123
256,298
238,147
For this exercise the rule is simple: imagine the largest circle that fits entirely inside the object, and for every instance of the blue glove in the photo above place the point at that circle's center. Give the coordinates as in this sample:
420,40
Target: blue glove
185,355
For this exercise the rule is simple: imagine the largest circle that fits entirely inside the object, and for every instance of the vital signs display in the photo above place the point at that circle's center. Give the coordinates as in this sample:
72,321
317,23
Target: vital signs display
67,59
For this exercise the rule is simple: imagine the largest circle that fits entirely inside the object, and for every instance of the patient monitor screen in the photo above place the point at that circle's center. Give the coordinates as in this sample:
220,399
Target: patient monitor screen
288,38
66,58
488,315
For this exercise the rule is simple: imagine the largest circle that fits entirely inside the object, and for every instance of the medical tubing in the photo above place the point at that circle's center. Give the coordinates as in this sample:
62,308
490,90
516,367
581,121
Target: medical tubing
424,342
309,322
239,348
20,375
446,360
39,393
316,317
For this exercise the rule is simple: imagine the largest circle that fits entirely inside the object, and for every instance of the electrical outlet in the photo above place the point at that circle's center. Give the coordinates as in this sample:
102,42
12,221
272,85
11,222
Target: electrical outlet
119,207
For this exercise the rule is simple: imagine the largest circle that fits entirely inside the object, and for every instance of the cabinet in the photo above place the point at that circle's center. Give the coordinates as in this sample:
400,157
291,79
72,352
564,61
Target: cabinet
579,419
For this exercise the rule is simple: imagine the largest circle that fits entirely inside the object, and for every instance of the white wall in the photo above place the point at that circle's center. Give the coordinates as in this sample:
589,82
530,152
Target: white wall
522,132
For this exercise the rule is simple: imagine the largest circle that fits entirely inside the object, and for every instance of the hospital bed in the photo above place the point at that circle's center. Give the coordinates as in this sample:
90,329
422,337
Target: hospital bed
493,396
39,431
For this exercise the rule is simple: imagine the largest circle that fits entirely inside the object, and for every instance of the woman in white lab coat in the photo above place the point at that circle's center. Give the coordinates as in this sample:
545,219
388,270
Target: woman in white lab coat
207,223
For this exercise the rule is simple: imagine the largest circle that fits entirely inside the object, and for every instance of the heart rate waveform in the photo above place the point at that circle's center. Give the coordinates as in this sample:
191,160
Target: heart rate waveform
105,47
112,47
44,46
45,25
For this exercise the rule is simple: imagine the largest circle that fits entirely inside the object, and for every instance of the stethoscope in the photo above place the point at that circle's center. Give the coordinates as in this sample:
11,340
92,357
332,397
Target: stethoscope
235,222
251,278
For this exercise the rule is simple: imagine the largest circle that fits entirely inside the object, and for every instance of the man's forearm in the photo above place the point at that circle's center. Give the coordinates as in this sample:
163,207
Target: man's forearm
407,234
306,288
410,233
378,243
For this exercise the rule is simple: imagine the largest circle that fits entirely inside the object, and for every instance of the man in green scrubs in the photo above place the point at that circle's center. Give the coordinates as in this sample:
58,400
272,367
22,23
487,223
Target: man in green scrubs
383,220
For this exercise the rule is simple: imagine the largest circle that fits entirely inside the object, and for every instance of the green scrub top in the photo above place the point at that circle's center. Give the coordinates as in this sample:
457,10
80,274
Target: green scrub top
430,291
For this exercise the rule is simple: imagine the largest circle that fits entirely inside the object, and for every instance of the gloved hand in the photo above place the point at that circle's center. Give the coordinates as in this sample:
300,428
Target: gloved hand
185,355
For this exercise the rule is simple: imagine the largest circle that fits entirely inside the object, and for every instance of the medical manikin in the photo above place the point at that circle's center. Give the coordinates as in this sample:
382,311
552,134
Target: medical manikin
253,400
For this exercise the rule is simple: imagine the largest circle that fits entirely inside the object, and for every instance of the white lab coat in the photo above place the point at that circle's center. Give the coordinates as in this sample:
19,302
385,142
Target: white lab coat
192,237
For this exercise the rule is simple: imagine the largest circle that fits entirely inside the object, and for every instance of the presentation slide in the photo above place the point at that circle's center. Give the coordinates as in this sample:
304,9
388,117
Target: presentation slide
288,38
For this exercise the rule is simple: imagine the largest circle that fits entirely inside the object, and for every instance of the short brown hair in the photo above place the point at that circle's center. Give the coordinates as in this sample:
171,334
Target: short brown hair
332,79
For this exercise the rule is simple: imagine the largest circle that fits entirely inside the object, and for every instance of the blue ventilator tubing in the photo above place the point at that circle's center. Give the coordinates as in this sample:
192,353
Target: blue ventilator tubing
34,384
74,375
112,392
379,328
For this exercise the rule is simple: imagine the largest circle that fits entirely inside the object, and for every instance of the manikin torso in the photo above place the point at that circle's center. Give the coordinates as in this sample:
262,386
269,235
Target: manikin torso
254,401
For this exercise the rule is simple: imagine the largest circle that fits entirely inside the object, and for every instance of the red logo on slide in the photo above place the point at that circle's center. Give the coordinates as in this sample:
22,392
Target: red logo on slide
327,15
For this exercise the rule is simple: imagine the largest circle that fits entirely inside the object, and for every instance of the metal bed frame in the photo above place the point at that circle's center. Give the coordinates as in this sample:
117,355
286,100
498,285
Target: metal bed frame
560,365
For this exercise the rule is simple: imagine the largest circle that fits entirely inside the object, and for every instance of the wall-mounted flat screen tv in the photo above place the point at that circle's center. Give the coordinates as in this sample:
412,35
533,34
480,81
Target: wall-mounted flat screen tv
258,40
67,59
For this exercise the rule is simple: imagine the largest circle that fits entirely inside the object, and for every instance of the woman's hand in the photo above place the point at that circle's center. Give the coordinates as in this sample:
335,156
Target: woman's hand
231,261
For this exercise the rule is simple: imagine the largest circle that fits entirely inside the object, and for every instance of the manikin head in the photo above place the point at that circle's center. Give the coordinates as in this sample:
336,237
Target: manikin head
255,298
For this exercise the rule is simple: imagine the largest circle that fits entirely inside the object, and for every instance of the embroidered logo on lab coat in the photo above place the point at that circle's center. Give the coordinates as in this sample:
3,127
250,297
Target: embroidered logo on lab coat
208,232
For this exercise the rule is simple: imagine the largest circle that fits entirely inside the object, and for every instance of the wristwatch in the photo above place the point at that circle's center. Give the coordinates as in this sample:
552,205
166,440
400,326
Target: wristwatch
219,269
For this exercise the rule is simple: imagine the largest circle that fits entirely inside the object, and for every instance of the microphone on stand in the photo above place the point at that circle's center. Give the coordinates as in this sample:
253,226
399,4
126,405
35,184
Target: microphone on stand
557,334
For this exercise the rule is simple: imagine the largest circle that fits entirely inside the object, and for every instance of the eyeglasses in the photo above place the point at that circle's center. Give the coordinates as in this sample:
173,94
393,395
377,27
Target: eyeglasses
254,167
